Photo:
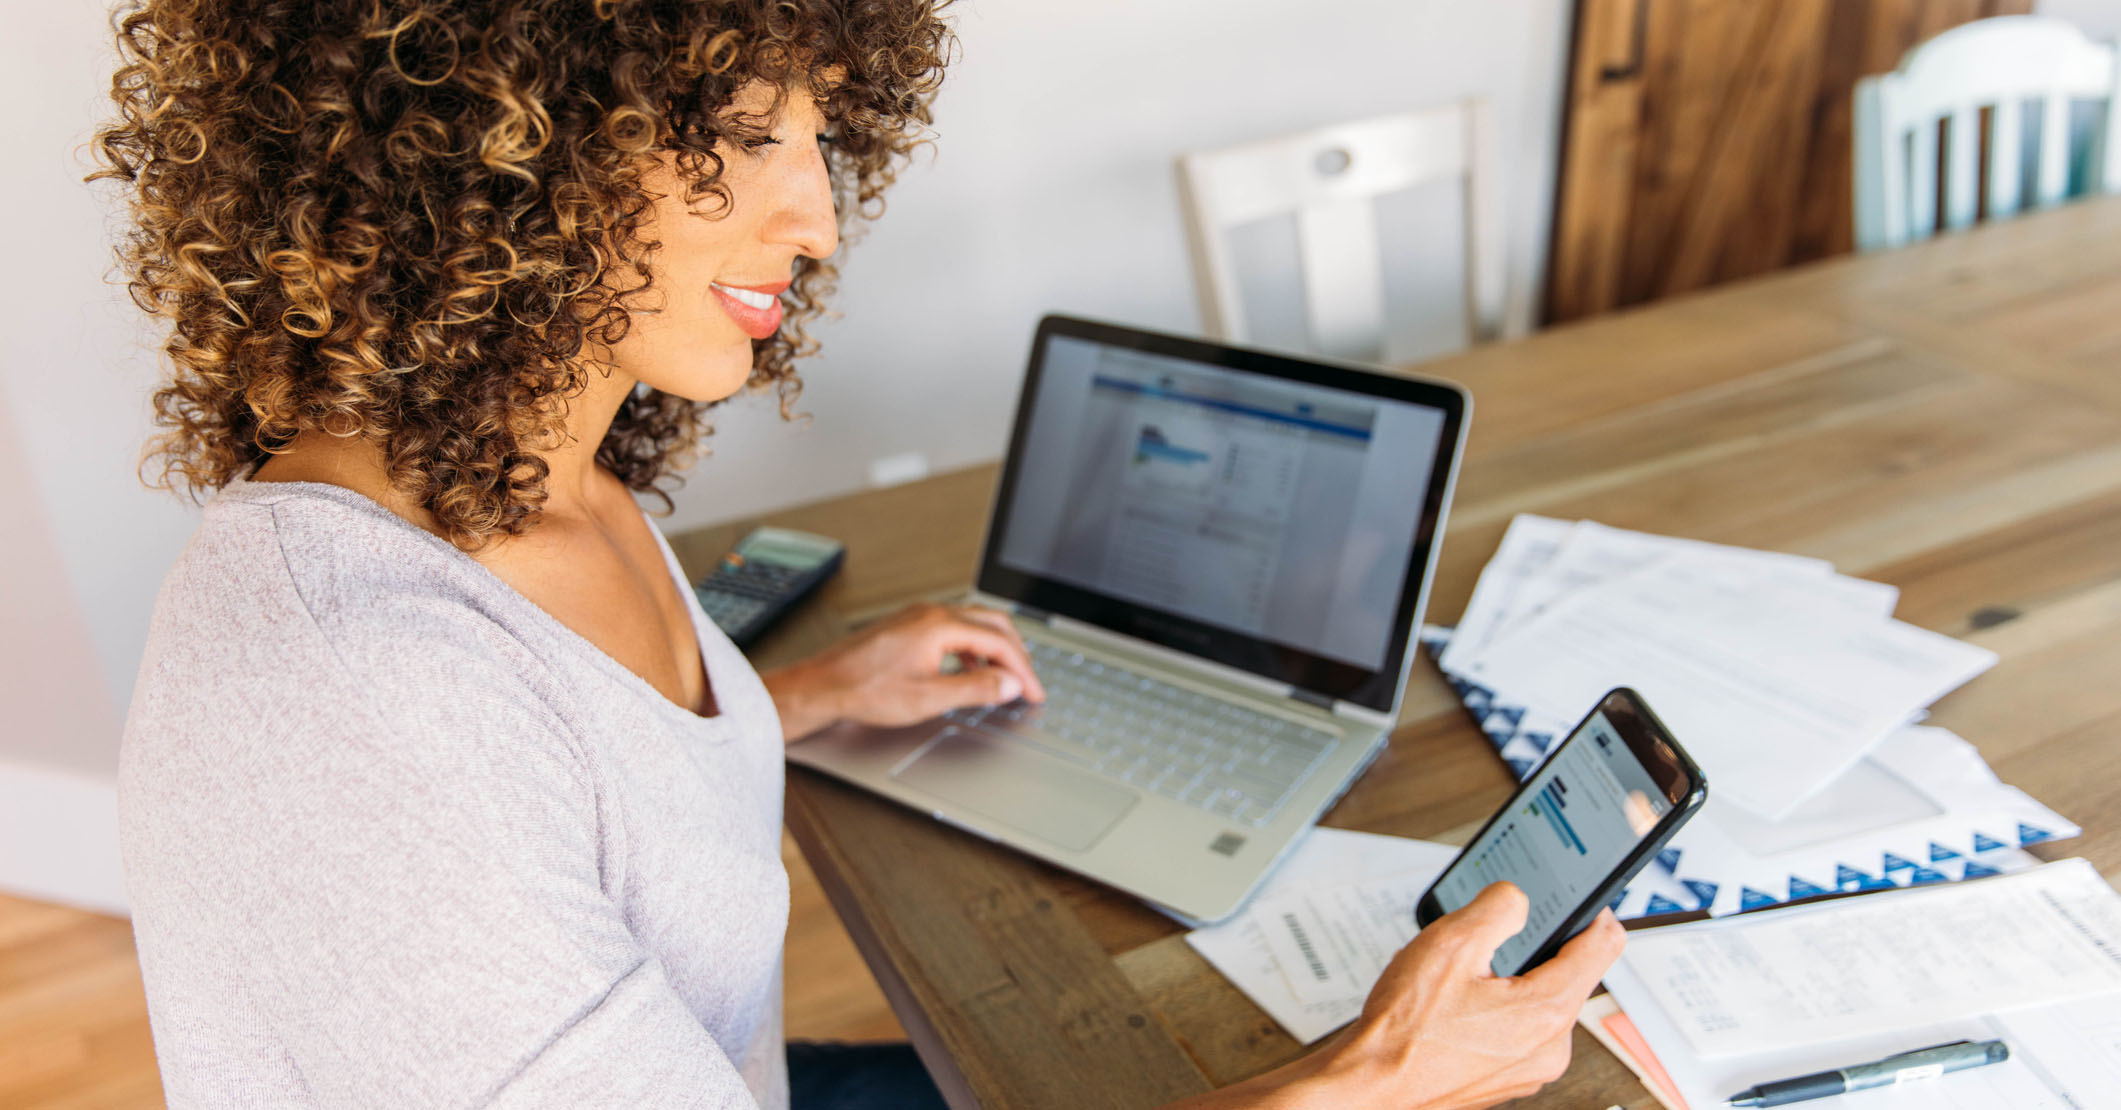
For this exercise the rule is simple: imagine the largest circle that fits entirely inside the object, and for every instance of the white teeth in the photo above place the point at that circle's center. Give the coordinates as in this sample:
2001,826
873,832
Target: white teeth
760,301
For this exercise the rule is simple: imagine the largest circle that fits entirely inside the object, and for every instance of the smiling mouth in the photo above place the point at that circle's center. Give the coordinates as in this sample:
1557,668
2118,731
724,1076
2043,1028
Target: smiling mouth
756,309
752,297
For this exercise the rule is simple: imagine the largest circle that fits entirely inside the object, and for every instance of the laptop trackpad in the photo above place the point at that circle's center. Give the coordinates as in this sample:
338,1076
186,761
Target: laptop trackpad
1022,789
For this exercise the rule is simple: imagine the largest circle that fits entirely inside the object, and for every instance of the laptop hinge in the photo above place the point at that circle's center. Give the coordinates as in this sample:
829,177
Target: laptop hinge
1029,613
1309,698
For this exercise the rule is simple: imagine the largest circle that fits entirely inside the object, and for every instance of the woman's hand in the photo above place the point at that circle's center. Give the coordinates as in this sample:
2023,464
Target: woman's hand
893,672
1440,1031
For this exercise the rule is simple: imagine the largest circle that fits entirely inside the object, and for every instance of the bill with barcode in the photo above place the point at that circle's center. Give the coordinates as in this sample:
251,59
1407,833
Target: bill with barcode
1333,942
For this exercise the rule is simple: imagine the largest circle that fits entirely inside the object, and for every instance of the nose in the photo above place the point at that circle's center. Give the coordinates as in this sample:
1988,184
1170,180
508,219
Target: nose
807,219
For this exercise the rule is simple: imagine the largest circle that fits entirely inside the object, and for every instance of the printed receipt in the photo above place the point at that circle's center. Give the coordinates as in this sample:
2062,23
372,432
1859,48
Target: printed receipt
1324,858
1885,961
1333,943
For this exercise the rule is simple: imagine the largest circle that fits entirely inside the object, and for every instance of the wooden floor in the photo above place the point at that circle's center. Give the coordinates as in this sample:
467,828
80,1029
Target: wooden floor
73,1023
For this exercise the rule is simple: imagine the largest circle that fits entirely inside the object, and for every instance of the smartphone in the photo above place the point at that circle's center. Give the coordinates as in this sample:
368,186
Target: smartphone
1584,824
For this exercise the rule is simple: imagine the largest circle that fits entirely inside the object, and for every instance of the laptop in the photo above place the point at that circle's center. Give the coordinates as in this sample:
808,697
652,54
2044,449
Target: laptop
1218,558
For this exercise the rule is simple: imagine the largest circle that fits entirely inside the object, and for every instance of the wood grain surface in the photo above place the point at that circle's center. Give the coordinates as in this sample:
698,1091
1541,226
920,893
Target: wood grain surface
73,1020
1946,418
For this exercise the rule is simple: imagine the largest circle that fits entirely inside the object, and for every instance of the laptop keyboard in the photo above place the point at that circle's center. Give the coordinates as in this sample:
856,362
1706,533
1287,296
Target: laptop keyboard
1236,763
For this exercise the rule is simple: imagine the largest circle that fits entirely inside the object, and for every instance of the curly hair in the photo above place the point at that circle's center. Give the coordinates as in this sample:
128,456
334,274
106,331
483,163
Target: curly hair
408,220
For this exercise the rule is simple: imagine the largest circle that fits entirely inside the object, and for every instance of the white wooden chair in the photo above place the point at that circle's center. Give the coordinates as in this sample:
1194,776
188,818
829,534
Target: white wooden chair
2002,64
1329,178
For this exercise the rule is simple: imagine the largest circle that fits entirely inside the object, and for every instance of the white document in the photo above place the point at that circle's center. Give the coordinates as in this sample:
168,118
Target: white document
1592,554
2075,1046
2027,1081
1333,943
1893,961
1541,560
1325,858
1774,690
1527,546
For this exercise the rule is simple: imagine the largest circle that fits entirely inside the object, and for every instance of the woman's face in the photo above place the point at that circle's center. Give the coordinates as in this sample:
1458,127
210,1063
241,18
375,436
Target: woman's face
720,270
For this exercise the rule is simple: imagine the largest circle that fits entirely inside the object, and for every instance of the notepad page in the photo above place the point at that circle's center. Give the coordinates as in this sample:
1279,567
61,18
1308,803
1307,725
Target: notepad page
1886,961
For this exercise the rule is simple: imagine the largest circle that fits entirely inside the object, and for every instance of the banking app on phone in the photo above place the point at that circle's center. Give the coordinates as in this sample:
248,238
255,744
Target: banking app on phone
1571,823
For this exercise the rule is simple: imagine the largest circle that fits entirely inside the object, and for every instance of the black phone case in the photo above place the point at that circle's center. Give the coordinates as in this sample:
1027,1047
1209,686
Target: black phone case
1427,909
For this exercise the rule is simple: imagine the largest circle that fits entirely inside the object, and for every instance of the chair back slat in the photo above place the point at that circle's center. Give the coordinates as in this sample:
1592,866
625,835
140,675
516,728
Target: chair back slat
1344,302
1962,152
2054,149
2109,160
1922,183
1487,275
1222,308
1881,179
2001,65
2006,157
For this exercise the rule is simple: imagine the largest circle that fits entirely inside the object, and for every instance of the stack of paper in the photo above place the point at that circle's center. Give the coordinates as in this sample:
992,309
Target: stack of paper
2032,959
1791,685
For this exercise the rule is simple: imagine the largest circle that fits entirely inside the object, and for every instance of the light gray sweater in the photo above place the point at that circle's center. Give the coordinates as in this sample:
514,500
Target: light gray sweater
396,837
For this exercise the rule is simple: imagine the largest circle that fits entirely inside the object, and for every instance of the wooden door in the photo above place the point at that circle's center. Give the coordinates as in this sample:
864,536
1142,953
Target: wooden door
1708,140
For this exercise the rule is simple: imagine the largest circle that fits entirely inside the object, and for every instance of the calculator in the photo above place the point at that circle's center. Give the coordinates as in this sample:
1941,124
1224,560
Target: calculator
769,573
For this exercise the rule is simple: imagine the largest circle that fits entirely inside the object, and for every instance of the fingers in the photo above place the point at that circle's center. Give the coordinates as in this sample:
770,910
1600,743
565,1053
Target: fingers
980,686
1575,970
934,695
999,622
1494,915
986,635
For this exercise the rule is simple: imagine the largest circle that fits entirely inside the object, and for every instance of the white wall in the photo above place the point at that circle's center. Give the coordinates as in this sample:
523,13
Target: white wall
82,545
2100,18
58,710
75,382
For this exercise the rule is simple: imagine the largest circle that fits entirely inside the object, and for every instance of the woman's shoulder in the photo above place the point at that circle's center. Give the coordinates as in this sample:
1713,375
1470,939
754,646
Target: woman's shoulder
273,557
310,528
314,669
307,613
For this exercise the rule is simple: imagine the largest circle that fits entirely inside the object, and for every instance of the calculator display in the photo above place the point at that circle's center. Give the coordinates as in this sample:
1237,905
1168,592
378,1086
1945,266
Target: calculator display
785,549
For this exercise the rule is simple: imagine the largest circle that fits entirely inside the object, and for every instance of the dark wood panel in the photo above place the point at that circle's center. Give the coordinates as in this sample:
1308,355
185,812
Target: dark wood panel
1714,142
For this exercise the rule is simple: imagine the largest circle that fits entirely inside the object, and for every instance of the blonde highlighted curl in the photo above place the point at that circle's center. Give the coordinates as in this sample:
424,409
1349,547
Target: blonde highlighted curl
405,220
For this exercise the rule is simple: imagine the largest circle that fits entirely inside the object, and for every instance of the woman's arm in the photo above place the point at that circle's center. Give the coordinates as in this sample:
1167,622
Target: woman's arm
1440,1031
894,672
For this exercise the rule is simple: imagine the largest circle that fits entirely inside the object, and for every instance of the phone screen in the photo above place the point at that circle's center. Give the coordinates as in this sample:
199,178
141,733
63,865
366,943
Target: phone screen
1570,825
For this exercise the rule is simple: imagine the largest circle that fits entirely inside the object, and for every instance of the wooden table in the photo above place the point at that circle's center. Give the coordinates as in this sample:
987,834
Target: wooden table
1946,418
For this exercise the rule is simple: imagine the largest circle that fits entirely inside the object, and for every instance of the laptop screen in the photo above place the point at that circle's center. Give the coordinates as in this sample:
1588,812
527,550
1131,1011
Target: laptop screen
1267,512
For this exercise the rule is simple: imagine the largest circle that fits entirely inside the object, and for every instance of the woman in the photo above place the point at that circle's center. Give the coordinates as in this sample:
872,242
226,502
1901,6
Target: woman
438,788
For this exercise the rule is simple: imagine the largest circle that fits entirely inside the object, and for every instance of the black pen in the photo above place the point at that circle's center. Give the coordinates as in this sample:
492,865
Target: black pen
1923,1063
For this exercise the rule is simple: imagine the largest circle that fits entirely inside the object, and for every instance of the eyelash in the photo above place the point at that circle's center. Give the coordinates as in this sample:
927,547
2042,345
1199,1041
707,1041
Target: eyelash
763,143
